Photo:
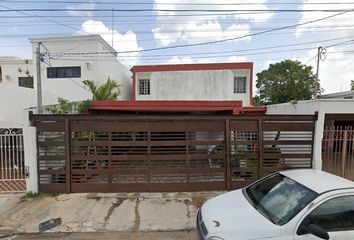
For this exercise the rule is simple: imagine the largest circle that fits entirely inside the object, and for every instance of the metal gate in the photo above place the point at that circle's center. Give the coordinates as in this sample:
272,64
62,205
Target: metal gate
167,153
12,163
338,151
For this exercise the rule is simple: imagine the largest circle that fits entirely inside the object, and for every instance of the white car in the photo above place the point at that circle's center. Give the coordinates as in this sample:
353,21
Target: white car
288,205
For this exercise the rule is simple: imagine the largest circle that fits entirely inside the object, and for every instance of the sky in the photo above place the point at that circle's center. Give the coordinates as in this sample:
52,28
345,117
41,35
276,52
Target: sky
171,25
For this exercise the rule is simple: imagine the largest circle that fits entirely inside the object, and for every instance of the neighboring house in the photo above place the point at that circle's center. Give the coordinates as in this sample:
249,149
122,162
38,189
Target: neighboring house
334,132
338,95
16,72
194,82
69,60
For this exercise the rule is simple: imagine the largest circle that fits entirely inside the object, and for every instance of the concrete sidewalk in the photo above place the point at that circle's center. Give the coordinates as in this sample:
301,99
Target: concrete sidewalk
93,212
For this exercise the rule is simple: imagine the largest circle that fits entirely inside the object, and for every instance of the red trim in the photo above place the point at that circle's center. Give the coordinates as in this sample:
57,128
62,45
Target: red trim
191,67
251,86
134,90
234,107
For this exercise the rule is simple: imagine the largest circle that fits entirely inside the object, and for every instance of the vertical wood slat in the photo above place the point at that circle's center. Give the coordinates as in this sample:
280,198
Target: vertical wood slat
149,159
110,176
188,159
67,156
228,175
260,148
344,151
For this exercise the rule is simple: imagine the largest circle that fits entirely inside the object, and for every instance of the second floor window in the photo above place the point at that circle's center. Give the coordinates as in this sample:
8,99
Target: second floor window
240,84
25,82
144,87
63,72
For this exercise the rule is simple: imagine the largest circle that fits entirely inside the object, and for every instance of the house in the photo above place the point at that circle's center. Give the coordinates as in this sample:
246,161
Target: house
66,62
16,72
338,95
69,60
194,82
333,141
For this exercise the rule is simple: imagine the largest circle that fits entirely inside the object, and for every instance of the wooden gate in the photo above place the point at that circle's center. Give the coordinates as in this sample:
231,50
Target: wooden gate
338,151
167,153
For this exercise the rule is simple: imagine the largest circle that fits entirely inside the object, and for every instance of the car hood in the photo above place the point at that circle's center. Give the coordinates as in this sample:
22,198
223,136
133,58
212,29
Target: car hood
238,219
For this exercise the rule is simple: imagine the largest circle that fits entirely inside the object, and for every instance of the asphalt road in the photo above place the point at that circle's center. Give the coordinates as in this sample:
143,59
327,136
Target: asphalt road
173,235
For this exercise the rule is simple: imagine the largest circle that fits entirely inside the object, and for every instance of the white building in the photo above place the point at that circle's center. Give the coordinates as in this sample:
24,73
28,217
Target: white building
342,110
67,62
16,72
338,95
194,82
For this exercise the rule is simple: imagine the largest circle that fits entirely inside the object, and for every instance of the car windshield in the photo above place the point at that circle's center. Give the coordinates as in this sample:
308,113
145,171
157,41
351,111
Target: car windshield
279,198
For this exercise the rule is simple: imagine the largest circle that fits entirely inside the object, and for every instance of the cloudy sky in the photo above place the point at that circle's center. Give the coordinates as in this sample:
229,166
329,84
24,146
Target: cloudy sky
172,26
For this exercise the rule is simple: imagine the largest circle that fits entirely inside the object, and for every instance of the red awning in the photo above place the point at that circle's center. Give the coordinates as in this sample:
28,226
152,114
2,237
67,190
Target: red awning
234,107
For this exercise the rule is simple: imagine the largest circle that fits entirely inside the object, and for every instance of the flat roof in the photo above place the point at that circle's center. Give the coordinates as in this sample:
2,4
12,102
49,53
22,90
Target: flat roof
318,181
232,107
193,66
72,38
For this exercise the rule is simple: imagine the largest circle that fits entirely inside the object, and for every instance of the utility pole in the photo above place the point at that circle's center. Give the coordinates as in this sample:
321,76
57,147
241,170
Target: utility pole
321,52
39,81
317,71
112,28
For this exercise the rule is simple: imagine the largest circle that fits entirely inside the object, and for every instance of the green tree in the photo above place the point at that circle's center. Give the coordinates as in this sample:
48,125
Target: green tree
285,81
109,90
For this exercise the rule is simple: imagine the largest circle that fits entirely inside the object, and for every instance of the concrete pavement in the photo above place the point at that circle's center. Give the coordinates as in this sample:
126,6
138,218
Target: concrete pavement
105,212
172,235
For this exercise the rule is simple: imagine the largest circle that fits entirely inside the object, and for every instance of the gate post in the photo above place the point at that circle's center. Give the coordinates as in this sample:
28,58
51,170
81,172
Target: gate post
344,151
260,148
67,156
228,154
30,154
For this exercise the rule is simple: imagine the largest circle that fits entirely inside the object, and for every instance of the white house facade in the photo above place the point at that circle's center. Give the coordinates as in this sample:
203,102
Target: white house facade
69,60
194,82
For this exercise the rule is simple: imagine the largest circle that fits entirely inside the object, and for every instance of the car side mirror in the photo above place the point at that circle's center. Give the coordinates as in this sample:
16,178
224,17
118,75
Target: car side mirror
314,230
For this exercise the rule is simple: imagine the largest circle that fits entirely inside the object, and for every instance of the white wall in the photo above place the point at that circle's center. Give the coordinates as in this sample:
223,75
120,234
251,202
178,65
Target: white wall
10,70
322,106
96,67
14,100
194,85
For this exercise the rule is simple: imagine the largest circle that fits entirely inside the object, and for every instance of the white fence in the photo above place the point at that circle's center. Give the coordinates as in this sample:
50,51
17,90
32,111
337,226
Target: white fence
12,160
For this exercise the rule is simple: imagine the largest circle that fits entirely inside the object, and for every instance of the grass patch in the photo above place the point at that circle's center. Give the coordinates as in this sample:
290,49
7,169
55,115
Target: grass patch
33,195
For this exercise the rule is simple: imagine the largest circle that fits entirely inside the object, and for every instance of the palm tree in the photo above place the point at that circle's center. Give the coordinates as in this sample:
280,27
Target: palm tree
109,90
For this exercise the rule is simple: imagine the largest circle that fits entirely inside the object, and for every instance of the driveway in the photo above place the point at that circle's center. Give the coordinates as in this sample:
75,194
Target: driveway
110,212
173,235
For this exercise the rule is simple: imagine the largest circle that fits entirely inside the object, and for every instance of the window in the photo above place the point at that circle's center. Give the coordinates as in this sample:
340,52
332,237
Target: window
0,75
144,87
63,72
240,84
334,215
25,82
279,198
348,97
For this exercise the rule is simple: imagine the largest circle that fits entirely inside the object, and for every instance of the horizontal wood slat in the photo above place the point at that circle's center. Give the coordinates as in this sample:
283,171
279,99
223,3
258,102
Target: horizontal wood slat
168,153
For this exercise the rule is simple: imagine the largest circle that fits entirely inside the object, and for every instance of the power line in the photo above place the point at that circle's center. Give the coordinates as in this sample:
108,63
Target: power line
34,15
177,10
236,38
182,4
236,51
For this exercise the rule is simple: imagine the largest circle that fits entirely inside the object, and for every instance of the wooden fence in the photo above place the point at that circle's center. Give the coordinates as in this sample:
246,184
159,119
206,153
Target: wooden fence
167,153
338,151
